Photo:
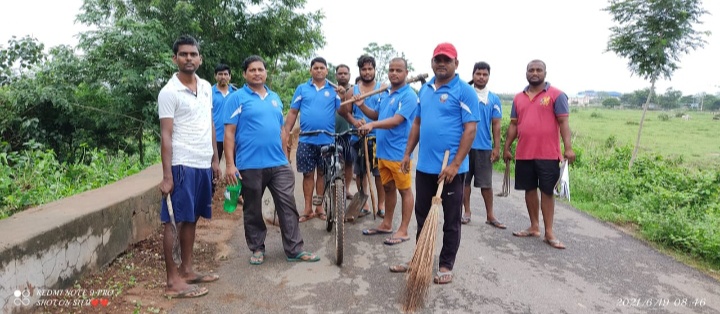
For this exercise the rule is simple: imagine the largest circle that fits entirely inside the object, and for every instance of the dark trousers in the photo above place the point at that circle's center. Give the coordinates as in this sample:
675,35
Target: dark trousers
452,200
281,182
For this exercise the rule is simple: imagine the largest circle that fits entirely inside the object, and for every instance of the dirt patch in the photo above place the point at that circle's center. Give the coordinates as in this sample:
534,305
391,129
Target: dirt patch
135,281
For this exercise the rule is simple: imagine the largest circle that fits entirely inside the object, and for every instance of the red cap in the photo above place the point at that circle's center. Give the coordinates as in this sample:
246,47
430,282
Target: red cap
445,49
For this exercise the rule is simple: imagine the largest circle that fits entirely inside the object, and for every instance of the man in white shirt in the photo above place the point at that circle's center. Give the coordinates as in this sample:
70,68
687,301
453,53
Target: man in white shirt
190,164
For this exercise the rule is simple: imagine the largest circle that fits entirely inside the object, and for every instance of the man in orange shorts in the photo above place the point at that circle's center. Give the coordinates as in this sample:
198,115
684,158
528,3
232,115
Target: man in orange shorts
394,117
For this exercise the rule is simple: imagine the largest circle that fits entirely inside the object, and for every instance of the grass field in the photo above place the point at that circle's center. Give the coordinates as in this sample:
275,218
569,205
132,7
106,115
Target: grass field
696,141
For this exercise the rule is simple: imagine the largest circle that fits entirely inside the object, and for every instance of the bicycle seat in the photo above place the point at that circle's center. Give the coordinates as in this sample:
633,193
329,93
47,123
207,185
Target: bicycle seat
329,149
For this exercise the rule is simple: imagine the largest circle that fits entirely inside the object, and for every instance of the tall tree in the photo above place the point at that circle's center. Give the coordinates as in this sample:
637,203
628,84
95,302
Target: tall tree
652,35
383,54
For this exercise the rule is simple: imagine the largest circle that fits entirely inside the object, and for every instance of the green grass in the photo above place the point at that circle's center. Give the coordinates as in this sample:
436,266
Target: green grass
696,141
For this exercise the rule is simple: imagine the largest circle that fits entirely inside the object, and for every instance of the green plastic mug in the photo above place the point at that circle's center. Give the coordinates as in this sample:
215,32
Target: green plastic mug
232,193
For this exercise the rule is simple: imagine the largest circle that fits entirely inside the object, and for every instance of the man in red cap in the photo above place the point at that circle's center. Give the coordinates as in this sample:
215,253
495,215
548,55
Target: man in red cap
446,120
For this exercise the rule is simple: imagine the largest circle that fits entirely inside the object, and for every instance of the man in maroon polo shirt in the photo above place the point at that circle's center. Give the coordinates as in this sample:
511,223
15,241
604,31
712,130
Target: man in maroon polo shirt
538,114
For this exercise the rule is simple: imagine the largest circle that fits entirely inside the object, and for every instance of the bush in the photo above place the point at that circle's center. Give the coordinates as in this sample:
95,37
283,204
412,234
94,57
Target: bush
679,114
595,114
632,122
670,204
663,117
34,176
716,117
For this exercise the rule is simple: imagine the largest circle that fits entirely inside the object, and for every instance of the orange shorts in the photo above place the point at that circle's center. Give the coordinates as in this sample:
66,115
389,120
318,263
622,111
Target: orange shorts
390,171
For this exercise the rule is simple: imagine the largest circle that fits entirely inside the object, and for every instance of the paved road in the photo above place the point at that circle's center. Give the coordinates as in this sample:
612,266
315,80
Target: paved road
602,271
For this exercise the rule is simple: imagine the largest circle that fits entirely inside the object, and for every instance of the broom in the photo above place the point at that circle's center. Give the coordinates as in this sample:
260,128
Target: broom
176,241
506,181
419,274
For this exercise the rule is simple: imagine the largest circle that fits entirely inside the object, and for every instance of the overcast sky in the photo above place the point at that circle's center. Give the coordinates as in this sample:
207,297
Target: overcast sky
569,35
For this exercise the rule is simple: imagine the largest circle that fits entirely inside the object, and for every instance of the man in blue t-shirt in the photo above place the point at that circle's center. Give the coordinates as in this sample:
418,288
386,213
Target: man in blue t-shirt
220,91
485,150
367,83
446,121
317,102
255,140
394,116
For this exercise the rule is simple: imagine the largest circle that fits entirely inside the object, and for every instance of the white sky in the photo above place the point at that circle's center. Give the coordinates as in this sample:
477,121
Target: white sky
569,35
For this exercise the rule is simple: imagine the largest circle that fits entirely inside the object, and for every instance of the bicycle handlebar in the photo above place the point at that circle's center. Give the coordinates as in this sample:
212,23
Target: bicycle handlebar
318,132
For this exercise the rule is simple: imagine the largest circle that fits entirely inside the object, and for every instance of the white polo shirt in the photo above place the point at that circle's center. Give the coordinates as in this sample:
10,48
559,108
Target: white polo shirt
192,121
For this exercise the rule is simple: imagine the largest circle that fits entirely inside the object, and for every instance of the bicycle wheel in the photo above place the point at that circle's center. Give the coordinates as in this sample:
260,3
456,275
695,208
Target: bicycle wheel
338,190
328,206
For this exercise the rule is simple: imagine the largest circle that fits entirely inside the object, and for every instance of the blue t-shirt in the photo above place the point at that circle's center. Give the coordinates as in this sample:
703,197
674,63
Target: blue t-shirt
371,102
259,122
443,113
317,108
391,143
218,100
488,112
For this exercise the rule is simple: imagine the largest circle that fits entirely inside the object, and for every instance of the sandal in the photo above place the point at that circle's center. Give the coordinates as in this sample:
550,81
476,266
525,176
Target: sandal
526,233
321,216
443,277
257,258
203,279
496,223
465,220
381,213
304,218
399,268
193,291
317,200
304,257
555,243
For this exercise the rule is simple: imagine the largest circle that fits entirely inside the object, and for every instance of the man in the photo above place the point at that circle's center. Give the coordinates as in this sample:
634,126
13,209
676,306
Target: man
538,114
342,74
255,153
367,83
485,151
220,91
189,162
317,102
397,109
446,120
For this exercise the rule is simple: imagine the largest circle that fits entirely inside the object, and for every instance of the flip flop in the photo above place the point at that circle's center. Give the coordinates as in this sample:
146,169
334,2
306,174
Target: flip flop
465,220
393,241
374,231
555,243
381,213
193,291
304,218
526,233
322,216
399,268
363,212
203,279
443,277
299,258
496,223
257,258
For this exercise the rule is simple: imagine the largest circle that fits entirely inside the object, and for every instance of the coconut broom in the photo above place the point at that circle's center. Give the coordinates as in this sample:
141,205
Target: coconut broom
419,274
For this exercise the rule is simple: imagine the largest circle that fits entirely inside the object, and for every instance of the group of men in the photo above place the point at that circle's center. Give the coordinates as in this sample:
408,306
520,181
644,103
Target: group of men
200,122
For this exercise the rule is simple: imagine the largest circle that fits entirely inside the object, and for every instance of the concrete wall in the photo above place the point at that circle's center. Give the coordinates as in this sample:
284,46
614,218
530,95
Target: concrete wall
52,245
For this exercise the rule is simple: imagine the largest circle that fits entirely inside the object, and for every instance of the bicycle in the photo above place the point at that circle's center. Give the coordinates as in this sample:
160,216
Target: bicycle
334,192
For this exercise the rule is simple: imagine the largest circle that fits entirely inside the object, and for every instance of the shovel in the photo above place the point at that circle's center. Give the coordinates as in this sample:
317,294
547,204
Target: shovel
357,202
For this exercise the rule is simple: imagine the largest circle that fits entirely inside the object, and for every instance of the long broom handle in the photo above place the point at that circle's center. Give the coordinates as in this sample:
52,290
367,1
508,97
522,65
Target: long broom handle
444,164
419,77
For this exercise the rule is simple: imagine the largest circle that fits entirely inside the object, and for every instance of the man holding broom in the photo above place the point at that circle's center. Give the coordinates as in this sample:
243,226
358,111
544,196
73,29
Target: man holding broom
446,119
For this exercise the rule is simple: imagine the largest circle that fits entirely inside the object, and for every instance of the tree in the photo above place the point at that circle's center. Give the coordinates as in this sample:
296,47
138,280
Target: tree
383,54
669,100
20,55
652,35
611,102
